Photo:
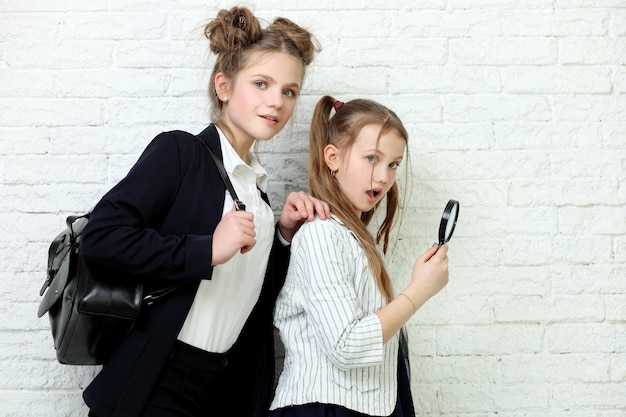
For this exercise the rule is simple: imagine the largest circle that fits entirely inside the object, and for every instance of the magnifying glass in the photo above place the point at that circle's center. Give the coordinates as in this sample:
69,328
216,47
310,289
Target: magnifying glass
448,221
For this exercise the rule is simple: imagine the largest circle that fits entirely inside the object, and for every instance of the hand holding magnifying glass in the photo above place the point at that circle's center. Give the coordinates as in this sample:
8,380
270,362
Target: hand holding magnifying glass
448,221
428,277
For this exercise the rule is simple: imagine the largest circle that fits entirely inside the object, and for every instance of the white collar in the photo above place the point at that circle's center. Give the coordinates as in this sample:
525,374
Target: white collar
232,160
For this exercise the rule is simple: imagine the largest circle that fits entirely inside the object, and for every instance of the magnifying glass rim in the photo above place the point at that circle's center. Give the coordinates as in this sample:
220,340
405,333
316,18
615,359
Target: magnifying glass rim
445,218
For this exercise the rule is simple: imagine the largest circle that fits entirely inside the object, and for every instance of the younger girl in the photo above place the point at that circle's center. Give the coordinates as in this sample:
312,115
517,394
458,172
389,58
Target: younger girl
206,349
337,314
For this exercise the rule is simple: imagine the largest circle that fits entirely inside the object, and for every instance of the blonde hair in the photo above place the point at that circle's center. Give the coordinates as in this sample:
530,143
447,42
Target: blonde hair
341,130
235,35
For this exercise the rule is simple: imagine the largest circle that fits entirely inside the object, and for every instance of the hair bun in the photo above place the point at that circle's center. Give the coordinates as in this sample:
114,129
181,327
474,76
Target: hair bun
301,38
232,30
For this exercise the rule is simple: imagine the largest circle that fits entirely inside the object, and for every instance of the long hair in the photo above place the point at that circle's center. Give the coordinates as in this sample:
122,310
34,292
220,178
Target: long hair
235,36
341,130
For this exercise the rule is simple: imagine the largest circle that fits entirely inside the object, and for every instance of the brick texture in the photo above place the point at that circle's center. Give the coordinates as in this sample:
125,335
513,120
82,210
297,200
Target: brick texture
515,108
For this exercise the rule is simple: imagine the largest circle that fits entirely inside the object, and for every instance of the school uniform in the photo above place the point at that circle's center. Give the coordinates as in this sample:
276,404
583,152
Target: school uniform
157,225
335,361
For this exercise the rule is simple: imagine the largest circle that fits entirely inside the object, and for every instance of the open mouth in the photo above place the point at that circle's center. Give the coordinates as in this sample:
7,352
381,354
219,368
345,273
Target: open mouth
374,193
270,118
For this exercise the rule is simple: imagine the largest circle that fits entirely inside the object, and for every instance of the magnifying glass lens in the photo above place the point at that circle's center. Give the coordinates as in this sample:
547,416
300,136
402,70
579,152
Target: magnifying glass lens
451,222
448,221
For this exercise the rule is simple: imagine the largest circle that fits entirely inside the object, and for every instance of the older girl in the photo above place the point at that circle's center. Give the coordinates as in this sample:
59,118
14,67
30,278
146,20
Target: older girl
207,349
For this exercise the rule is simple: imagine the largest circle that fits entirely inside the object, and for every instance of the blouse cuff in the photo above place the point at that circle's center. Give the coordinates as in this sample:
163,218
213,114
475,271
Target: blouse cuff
281,239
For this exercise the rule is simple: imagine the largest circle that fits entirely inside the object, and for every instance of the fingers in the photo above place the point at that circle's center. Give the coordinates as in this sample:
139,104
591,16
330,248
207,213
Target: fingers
245,226
317,207
430,272
246,249
435,252
442,252
234,233
428,254
321,208
306,206
244,218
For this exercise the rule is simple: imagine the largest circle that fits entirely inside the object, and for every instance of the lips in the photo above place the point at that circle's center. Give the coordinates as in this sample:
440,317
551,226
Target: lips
270,118
373,194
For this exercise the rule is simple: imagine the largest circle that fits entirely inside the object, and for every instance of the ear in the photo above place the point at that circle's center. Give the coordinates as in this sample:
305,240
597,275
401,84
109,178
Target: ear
222,85
331,157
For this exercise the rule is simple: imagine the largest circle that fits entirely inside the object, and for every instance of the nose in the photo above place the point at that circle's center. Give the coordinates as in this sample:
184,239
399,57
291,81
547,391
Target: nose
276,99
382,173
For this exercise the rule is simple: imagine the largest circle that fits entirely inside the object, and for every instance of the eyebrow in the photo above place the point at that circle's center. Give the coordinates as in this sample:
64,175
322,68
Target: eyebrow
378,151
267,77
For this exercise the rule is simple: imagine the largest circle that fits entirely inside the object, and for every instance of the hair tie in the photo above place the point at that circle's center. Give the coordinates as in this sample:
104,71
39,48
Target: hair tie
337,105
242,22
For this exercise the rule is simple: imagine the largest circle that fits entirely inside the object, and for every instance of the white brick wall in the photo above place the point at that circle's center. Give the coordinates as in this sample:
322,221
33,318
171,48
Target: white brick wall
515,108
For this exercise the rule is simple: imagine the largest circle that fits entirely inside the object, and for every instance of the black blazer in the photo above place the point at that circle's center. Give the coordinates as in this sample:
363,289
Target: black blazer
156,224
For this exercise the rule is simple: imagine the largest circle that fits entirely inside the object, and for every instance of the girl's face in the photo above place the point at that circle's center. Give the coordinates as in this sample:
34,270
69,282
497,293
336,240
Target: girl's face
366,170
262,97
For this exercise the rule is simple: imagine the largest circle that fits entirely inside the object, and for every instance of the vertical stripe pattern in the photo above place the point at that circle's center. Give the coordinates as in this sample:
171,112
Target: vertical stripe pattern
326,316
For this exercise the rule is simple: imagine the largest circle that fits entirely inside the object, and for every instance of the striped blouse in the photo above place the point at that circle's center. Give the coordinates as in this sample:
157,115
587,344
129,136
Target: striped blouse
334,352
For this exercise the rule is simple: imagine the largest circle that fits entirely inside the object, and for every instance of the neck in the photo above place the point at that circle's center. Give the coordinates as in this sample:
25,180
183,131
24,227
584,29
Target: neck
240,145
242,149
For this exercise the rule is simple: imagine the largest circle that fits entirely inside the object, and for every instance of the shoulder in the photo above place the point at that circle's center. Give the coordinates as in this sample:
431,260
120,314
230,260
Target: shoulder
319,226
173,144
326,232
174,138
323,245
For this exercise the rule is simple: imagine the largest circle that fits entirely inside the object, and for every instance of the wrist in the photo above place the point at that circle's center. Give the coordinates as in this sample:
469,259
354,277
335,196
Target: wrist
404,296
284,233
281,238
416,294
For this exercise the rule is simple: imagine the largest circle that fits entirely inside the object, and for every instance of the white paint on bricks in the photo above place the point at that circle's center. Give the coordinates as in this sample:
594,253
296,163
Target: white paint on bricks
516,109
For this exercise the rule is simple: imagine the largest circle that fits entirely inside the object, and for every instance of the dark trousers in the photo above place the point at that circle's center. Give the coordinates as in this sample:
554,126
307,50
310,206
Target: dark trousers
323,410
194,383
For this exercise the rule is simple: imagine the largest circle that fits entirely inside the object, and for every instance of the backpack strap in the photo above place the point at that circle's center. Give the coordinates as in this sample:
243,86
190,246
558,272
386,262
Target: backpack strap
229,185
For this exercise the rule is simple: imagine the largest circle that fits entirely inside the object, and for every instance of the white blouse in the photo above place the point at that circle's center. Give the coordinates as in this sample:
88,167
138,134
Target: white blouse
334,352
223,303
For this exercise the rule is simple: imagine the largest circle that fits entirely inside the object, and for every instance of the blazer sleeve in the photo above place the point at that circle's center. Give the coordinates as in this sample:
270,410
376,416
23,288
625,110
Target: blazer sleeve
278,264
123,229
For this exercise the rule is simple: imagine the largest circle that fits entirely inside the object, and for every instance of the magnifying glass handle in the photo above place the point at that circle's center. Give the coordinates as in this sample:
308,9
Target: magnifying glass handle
439,245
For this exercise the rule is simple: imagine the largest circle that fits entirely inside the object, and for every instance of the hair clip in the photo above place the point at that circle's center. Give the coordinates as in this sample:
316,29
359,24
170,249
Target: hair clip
242,22
337,105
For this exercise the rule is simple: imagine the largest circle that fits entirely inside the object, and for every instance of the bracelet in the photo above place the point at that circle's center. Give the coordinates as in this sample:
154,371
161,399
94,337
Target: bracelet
410,301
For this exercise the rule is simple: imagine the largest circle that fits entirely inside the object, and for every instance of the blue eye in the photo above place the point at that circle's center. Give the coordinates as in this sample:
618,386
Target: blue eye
394,165
289,93
260,84
371,159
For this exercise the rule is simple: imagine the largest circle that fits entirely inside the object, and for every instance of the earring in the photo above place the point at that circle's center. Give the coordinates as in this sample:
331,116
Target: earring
225,99
333,173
